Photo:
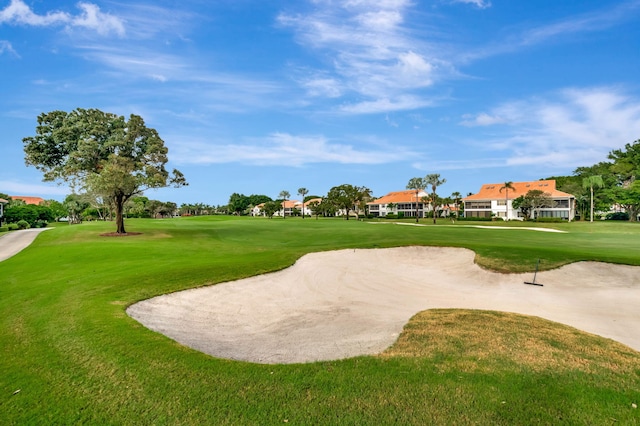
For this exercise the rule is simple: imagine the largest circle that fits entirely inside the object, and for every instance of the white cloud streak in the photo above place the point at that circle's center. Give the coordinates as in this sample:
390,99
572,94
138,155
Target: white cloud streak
284,149
599,20
91,17
576,127
19,188
6,47
481,4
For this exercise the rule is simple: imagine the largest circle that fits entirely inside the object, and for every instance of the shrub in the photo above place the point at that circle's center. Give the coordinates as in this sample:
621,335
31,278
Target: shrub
550,219
29,213
4,229
400,215
475,219
12,226
23,224
617,216
391,216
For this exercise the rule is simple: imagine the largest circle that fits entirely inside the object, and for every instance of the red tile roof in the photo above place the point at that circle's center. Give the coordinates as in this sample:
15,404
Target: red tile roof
289,204
407,196
311,200
29,200
491,191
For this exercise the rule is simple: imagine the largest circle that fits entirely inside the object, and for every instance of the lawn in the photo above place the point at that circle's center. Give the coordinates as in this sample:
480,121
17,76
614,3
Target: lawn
69,354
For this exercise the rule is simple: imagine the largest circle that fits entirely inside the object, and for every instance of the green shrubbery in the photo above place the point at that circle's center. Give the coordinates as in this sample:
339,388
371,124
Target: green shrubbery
617,216
33,215
23,224
4,229
550,219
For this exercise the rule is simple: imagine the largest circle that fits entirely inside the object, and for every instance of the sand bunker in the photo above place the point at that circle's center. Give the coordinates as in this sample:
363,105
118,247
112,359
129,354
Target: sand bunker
340,304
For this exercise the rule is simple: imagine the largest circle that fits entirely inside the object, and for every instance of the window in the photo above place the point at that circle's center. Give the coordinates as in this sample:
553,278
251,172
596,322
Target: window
477,205
564,214
477,214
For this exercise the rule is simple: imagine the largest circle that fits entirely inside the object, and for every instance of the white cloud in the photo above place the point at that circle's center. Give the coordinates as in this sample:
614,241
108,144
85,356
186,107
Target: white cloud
599,20
322,85
482,119
284,149
94,19
19,13
381,105
575,127
20,188
482,4
5,46
370,52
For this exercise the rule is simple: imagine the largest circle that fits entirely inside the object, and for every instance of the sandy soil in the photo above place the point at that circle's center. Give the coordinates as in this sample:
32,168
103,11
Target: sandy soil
340,304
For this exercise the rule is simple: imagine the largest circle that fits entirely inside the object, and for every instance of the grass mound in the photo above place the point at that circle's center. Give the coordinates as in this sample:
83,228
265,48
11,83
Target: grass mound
484,341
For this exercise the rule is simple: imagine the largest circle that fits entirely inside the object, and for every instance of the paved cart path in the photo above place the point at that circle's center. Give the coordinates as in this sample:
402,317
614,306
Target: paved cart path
12,243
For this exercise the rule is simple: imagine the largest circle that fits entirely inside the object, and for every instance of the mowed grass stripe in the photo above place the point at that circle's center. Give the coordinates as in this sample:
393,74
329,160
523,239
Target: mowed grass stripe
75,357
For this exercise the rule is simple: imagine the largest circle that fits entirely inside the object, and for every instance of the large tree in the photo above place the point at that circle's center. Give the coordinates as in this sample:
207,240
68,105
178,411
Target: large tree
100,152
238,203
435,181
533,200
416,184
346,197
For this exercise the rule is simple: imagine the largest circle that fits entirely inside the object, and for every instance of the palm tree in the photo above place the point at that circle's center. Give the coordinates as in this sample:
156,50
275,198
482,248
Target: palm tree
302,192
590,182
507,186
284,195
435,181
417,184
456,200
390,207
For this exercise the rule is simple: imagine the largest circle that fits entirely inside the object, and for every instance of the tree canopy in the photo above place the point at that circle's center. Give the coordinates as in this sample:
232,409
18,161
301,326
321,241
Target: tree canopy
346,197
416,184
102,153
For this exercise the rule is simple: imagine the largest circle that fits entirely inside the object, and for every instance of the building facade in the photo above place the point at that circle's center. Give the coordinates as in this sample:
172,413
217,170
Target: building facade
495,200
401,202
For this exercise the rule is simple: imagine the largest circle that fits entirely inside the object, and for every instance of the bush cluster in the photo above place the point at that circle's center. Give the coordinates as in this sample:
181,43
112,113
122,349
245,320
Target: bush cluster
23,224
617,216
550,219
34,216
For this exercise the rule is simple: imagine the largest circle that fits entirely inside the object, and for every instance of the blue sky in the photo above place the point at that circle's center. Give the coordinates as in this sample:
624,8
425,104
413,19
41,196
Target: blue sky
256,97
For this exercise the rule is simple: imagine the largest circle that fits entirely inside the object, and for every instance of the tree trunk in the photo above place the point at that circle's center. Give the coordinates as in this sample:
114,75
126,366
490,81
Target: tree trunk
119,201
506,204
591,217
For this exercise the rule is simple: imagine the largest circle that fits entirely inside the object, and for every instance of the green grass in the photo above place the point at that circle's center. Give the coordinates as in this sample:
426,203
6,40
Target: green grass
73,354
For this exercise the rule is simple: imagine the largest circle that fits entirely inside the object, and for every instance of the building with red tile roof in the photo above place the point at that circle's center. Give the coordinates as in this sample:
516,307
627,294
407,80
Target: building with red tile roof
494,200
288,208
400,202
28,200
